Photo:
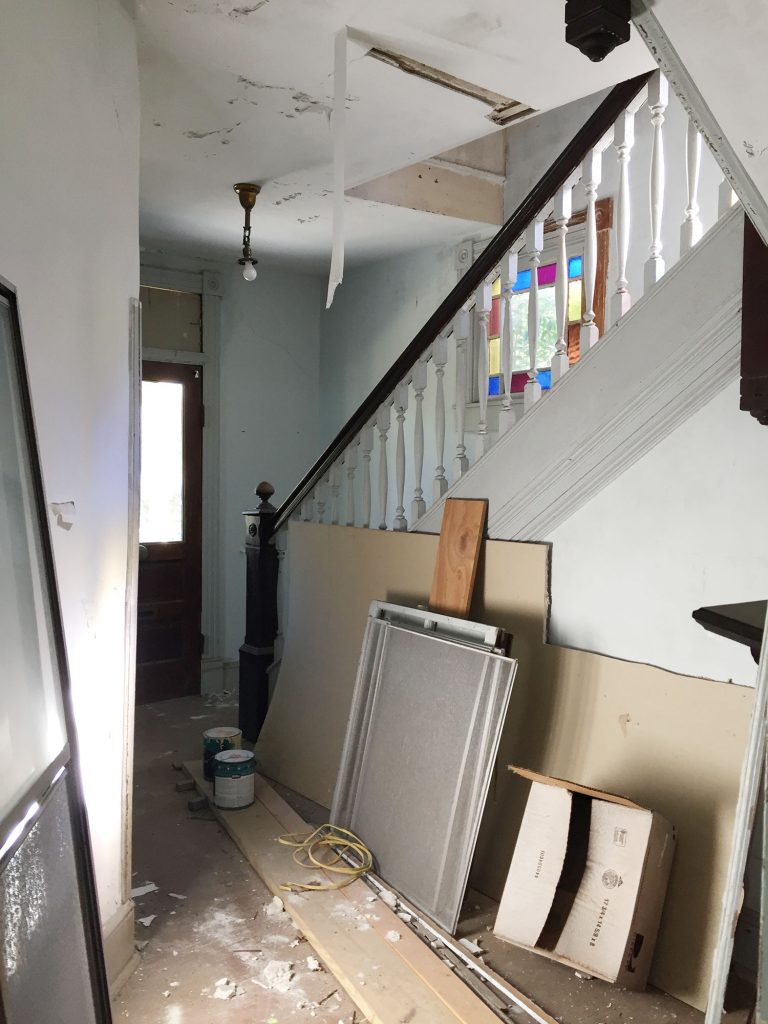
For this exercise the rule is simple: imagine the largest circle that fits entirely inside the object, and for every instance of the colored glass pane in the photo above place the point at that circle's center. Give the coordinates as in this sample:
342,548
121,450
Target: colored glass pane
523,281
494,321
494,385
494,356
575,266
574,300
547,274
496,287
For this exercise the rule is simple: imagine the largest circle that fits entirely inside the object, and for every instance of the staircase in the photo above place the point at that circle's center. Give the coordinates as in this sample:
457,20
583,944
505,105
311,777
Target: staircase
577,340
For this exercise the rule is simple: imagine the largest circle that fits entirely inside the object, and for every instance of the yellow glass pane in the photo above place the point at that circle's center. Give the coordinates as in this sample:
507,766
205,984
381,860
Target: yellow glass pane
494,356
574,300
496,287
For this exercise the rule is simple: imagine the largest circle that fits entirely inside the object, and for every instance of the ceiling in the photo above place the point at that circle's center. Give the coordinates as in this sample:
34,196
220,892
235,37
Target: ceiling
240,90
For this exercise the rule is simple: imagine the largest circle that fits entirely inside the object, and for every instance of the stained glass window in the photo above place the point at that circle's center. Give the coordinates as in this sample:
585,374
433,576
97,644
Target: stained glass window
547,275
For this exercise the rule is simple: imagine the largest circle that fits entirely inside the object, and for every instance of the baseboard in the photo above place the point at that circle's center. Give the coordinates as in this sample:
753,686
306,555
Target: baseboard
231,675
119,951
212,675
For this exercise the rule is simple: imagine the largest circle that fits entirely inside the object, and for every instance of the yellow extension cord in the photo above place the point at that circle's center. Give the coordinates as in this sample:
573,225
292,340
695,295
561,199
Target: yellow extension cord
310,847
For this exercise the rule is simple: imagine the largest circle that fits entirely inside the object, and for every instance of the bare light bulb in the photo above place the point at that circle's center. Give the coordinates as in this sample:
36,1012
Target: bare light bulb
249,271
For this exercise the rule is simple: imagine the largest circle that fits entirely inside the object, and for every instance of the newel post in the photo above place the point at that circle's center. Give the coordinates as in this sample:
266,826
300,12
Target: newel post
258,650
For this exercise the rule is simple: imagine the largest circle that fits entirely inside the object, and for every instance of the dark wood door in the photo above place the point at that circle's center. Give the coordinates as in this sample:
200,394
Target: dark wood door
169,641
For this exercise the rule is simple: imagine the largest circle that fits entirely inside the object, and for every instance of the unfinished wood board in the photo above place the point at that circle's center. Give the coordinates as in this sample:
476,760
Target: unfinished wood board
401,980
670,742
458,551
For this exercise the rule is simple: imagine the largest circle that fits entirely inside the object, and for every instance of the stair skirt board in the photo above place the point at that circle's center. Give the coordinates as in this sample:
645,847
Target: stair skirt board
669,355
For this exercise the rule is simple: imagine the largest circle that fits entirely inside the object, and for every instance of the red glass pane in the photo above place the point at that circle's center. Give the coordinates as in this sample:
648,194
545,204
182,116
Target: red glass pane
518,383
494,323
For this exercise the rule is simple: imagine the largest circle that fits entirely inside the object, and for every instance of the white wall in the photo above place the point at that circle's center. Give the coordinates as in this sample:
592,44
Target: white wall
270,359
682,528
376,313
69,118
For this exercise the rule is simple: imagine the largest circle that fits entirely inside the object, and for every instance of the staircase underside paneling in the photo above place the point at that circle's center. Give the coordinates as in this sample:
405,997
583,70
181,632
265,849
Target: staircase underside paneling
673,352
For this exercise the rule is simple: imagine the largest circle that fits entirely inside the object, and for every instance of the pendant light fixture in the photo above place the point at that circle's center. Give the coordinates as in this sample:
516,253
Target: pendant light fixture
246,193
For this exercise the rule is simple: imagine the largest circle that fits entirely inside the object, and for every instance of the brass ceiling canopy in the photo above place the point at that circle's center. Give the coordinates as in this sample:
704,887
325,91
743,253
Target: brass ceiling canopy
246,193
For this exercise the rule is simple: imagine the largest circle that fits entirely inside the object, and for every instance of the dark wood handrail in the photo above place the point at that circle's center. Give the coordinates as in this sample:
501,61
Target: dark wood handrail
554,178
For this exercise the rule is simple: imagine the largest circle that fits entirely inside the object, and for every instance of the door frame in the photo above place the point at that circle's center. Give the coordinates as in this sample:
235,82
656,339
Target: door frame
207,284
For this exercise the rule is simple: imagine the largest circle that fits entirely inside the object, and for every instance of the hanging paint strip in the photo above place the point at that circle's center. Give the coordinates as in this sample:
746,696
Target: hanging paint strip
338,124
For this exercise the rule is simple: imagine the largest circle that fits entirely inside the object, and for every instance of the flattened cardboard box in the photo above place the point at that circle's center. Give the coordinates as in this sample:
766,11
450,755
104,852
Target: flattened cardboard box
588,879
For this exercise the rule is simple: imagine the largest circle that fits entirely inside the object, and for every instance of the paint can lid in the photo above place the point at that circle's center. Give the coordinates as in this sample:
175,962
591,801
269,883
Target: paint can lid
221,732
234,756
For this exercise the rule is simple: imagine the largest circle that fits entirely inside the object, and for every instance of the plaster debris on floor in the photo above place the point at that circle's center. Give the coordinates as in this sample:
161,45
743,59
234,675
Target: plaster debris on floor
216,943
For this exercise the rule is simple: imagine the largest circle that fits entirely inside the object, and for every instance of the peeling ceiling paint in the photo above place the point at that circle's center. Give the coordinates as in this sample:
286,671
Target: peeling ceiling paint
270,61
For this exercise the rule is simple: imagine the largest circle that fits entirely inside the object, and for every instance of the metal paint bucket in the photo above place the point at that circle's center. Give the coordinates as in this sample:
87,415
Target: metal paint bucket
233,779
223,737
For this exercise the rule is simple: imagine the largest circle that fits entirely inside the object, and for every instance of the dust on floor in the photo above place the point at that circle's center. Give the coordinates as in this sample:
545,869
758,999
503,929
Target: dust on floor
215,946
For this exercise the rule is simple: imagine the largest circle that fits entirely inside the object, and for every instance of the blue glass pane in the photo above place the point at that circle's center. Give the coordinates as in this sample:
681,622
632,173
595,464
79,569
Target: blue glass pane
575,266
523,282
545,379
494,385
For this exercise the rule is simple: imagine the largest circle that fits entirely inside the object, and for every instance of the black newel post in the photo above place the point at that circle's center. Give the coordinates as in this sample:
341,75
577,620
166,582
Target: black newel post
257,651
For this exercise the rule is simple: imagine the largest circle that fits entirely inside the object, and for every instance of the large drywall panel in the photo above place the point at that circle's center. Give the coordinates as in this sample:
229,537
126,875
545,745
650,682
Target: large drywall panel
671,742
69,121
334,574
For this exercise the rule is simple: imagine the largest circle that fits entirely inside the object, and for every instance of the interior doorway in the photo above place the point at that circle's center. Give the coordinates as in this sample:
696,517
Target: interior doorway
169,638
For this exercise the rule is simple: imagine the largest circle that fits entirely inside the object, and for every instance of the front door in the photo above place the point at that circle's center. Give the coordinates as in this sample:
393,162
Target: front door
169,643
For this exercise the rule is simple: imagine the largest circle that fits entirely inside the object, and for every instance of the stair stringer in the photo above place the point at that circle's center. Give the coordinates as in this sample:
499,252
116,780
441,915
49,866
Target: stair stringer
670,354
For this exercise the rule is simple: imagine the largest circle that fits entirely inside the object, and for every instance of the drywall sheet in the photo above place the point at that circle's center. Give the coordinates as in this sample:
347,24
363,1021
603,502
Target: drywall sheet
334,572
427,714
670,742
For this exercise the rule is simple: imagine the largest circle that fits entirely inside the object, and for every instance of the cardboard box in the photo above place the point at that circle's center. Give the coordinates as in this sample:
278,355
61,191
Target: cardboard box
587,881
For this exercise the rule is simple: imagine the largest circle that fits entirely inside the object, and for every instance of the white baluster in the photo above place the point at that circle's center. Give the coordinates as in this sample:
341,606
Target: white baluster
508,278
623,140
658,97
418,505
322,493
726,197
350,461
440,358
366,445
335,491
461,327
691,229
401,404
563,210
534,244
592,176
483,300
382,424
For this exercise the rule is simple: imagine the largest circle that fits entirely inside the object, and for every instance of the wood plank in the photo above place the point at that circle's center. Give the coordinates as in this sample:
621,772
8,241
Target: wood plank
348,931
458,553
427,965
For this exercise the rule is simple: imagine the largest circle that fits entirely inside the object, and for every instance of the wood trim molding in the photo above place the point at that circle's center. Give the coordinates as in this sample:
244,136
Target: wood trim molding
119,953
674,351
754,340
697,108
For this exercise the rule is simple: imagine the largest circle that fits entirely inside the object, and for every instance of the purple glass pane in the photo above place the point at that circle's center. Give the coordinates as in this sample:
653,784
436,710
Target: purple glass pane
547,274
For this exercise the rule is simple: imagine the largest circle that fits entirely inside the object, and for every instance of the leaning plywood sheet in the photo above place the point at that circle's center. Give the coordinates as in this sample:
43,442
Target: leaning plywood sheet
390,979
461,535
667,741
426,717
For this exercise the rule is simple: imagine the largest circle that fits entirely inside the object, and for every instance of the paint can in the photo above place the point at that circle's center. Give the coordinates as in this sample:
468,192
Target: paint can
233,779
223,737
